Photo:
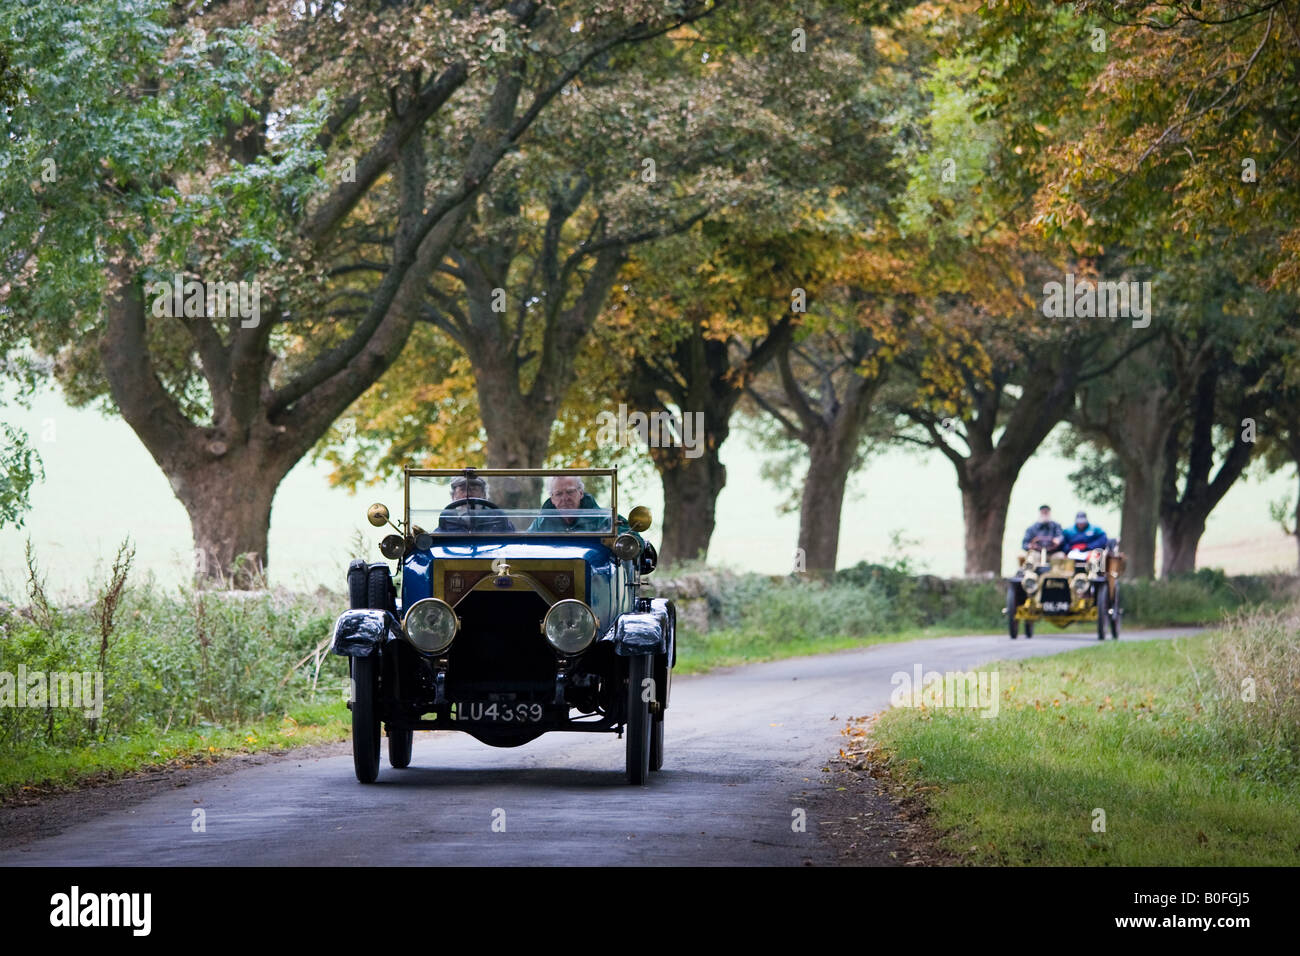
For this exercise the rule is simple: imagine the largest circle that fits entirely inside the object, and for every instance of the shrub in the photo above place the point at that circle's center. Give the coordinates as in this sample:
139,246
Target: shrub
1256,661
169,659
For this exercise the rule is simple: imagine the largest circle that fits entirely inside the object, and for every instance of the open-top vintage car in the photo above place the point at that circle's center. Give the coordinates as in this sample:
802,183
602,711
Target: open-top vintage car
509,617
1066,588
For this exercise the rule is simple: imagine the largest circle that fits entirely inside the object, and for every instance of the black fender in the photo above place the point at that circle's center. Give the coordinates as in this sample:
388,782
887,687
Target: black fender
666,611
638,633
363,632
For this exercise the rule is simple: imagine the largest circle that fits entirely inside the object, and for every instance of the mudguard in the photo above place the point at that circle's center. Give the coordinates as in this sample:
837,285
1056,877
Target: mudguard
362,632
663,608
638,634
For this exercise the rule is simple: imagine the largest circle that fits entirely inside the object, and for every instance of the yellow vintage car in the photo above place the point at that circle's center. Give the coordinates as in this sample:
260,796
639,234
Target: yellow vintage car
1066,588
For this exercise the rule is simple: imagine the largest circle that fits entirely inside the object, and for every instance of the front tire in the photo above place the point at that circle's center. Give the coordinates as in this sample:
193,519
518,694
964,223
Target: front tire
638,720
357,572
1116,612
380,593
657,744
365,718
1103,610
400,742
1013,626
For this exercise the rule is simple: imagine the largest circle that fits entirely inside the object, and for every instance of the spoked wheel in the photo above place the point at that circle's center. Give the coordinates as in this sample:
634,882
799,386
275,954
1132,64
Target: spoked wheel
1013,626
657,743
365,720
638,720
1029,629
1116,612
399,746
1103,610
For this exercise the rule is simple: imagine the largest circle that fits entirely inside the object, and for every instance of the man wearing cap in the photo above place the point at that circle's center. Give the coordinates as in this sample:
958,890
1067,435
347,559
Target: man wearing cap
1045,532
1084,536
484,518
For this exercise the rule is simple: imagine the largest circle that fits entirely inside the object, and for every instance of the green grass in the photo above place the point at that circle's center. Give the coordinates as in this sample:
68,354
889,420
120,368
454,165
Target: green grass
1185,773
699,653
53,769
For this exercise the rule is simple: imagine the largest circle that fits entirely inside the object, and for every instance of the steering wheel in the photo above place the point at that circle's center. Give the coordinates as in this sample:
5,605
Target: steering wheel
466,522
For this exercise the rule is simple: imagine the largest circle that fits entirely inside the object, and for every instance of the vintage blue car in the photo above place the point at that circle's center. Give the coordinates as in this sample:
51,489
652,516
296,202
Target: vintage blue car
515,610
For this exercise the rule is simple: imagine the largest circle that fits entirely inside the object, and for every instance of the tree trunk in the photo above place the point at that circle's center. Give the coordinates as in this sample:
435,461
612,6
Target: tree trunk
1140,517
1296,525
706,378
228,500
1138,434
987,474
691,489
830,459
1180,535
1183,517
984,503
517,437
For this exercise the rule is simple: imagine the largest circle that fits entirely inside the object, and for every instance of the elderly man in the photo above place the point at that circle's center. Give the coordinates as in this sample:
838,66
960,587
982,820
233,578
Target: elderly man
484,517
1044,533
567,493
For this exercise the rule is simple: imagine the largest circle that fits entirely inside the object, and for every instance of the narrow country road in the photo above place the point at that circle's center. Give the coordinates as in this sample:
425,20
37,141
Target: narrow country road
740,746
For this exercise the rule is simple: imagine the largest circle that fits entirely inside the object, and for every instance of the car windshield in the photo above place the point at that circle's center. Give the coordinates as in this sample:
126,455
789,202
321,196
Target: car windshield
491,503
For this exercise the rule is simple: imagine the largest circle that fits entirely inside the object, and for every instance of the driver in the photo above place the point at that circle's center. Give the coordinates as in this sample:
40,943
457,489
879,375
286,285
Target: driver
457,517
1044,532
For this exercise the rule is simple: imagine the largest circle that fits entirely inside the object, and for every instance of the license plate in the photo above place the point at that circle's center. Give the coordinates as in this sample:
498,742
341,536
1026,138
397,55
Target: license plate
1056,607
501,713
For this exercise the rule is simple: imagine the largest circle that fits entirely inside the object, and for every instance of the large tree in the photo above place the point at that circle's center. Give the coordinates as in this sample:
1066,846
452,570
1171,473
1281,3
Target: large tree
1221,423
1131,413
820,394
184,145
692,324
746,121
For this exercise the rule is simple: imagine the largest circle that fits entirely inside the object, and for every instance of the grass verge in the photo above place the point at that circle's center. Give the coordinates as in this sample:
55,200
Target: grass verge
700,653
1122,754
44,771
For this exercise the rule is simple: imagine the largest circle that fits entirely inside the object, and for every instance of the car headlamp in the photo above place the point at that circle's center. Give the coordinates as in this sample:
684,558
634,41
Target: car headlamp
431,625
1079,585
570,626
627,547
1029,582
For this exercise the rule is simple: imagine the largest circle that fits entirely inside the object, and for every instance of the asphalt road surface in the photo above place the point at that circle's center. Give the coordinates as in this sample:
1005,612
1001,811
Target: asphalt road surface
741,745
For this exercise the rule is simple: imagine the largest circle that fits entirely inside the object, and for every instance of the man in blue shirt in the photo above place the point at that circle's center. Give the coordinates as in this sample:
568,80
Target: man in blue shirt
1084,536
